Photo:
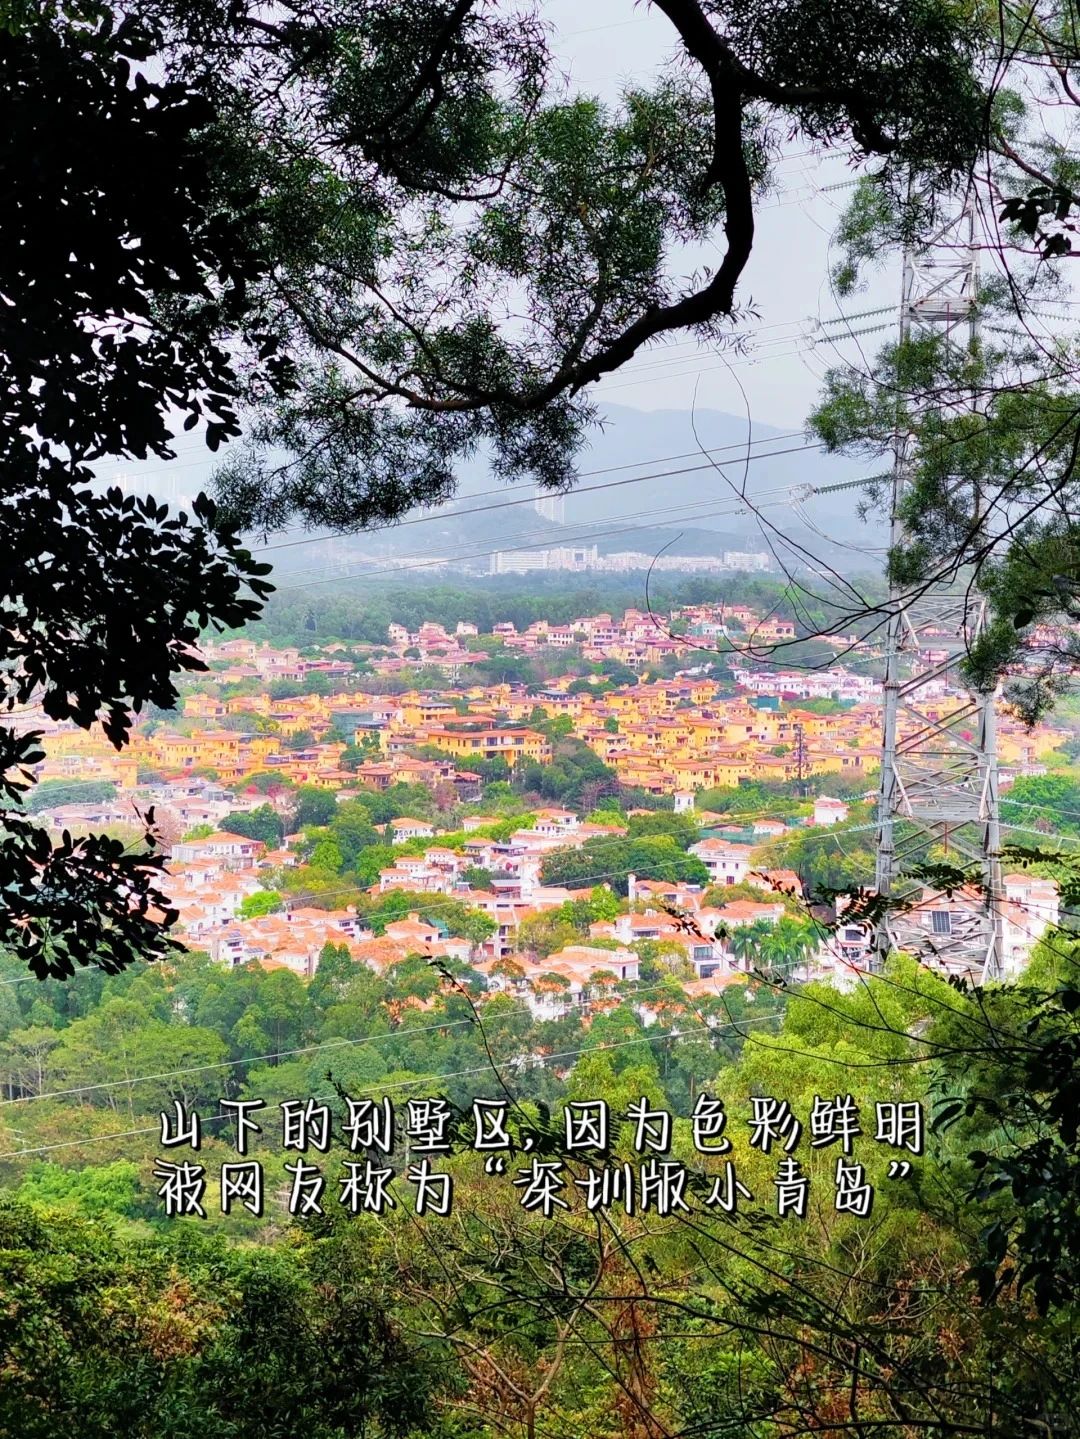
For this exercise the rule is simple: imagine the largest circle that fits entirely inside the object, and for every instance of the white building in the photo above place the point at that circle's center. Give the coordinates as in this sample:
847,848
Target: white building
560,557
727,863
829,811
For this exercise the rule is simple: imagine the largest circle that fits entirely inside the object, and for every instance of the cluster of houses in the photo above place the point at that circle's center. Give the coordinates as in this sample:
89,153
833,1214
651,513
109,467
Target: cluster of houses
671,737
213,877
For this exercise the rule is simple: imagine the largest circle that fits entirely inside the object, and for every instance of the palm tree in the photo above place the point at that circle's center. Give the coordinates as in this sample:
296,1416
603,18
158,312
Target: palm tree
785,946
746,940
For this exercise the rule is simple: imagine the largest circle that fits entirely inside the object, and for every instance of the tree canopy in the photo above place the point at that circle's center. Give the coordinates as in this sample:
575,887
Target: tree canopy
986,420
379,180
116,297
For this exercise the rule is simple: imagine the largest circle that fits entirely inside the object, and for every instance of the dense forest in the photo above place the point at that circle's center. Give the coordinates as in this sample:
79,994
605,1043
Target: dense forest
619,1319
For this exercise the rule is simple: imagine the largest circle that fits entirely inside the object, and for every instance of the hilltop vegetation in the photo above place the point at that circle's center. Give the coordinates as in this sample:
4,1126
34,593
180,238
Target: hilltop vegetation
674,1322
80,1060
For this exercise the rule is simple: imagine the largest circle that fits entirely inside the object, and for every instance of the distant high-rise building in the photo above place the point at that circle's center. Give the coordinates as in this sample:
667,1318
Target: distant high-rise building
561,557
551,507
746,560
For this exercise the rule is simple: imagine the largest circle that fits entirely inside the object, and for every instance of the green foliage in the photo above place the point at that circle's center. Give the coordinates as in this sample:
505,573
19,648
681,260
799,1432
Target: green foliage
102,597
264,824
313,806
456,917
576,777
396,802
365,749
612,859
98,1191
263,901
833,860
348,613
374,858
353,831
327,856
1051,801
558,727
476,877
782,947
662,957
265,782
821,706
594,198
804,1040
302,739
1008,1081
868,216
124,1038
682,828
53,792
775,799
183,1335
1017,441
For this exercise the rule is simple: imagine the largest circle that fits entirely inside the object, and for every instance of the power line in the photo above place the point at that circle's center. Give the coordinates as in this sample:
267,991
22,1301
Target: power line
33,979
419,903
778,354
582,535
369,1039
1020,804
581,532
419,1079
170,467
736,505
696,370
323,1046
741,448
344,1043
1021,829
646,360
229,1063
579,535
440,900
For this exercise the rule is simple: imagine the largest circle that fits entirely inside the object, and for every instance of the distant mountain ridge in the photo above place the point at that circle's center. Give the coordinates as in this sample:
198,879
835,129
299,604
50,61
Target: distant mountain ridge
648,465
644,484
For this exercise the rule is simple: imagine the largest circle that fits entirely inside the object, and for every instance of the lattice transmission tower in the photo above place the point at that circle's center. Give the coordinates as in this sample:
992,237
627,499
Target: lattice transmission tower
939,782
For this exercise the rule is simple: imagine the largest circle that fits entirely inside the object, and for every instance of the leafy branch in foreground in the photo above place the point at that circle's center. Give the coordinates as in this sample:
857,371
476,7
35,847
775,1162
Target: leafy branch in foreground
464,245
116,301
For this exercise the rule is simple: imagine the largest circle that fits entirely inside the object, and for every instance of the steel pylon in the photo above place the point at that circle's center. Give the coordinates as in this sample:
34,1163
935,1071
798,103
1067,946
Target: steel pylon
939,781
